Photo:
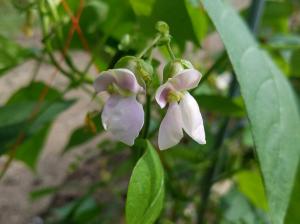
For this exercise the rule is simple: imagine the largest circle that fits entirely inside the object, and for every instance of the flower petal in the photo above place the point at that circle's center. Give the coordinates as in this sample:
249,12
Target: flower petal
123,117
192,119
185,80
126,80
170,130
103,81
162,94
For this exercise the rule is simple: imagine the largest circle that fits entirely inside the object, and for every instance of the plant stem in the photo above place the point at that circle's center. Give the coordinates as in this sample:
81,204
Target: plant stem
170,51
217,152
147,116
150,46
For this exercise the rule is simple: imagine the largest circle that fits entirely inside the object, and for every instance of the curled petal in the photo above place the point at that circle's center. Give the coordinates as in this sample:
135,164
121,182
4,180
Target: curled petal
103,81
126,80
185,80
162,94
123,78
192,119
170,130
123,117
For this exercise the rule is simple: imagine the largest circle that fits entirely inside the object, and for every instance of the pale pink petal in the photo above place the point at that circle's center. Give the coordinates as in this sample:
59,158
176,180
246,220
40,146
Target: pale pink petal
103,81
170,130
185,80
123,117
123,78
192,119
162,94
126,80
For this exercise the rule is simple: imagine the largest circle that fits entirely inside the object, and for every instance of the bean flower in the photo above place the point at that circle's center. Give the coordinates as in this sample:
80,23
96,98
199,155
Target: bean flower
183,111
122,114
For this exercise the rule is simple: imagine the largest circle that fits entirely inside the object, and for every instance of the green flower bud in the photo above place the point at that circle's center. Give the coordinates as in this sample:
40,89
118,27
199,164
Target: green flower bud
174,67
162,27
142,70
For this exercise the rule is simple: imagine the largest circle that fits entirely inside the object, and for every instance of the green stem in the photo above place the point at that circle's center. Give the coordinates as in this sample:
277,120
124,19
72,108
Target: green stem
147,116
150,46
170,51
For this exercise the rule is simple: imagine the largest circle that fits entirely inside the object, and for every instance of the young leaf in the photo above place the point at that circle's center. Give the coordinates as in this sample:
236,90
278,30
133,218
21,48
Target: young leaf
146,189
270,104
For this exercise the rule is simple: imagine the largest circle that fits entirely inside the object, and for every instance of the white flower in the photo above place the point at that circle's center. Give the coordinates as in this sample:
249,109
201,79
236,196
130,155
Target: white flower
122,115
183,111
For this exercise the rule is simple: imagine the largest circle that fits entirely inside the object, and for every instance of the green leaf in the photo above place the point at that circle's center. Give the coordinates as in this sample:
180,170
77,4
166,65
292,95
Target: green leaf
142,8
84,133
22,105
293,215
270,104
11,54
220,104
295,65
284,41
251,185
238,210
29,151
198,18
146,189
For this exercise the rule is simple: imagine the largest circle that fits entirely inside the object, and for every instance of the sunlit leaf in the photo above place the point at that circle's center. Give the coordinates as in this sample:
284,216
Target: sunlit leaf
270,104
251,185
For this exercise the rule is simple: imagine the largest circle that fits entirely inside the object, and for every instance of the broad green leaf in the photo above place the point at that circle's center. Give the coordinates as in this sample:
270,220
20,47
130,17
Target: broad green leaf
251,185
220,104
146,189
270,104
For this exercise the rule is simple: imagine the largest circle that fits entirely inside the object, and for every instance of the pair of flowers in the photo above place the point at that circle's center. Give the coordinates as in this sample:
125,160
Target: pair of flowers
123,115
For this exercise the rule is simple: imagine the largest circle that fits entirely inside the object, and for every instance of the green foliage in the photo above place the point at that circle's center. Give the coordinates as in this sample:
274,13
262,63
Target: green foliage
270,105
84,133
146,189
11,54
220,105
174,20
31,120
251,185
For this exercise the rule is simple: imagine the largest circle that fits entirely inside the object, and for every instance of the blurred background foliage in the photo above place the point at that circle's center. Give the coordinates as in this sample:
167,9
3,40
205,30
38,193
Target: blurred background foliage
107,30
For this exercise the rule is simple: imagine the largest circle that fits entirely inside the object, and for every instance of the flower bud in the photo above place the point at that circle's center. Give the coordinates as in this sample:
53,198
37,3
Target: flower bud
142,70
162,27
174,67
